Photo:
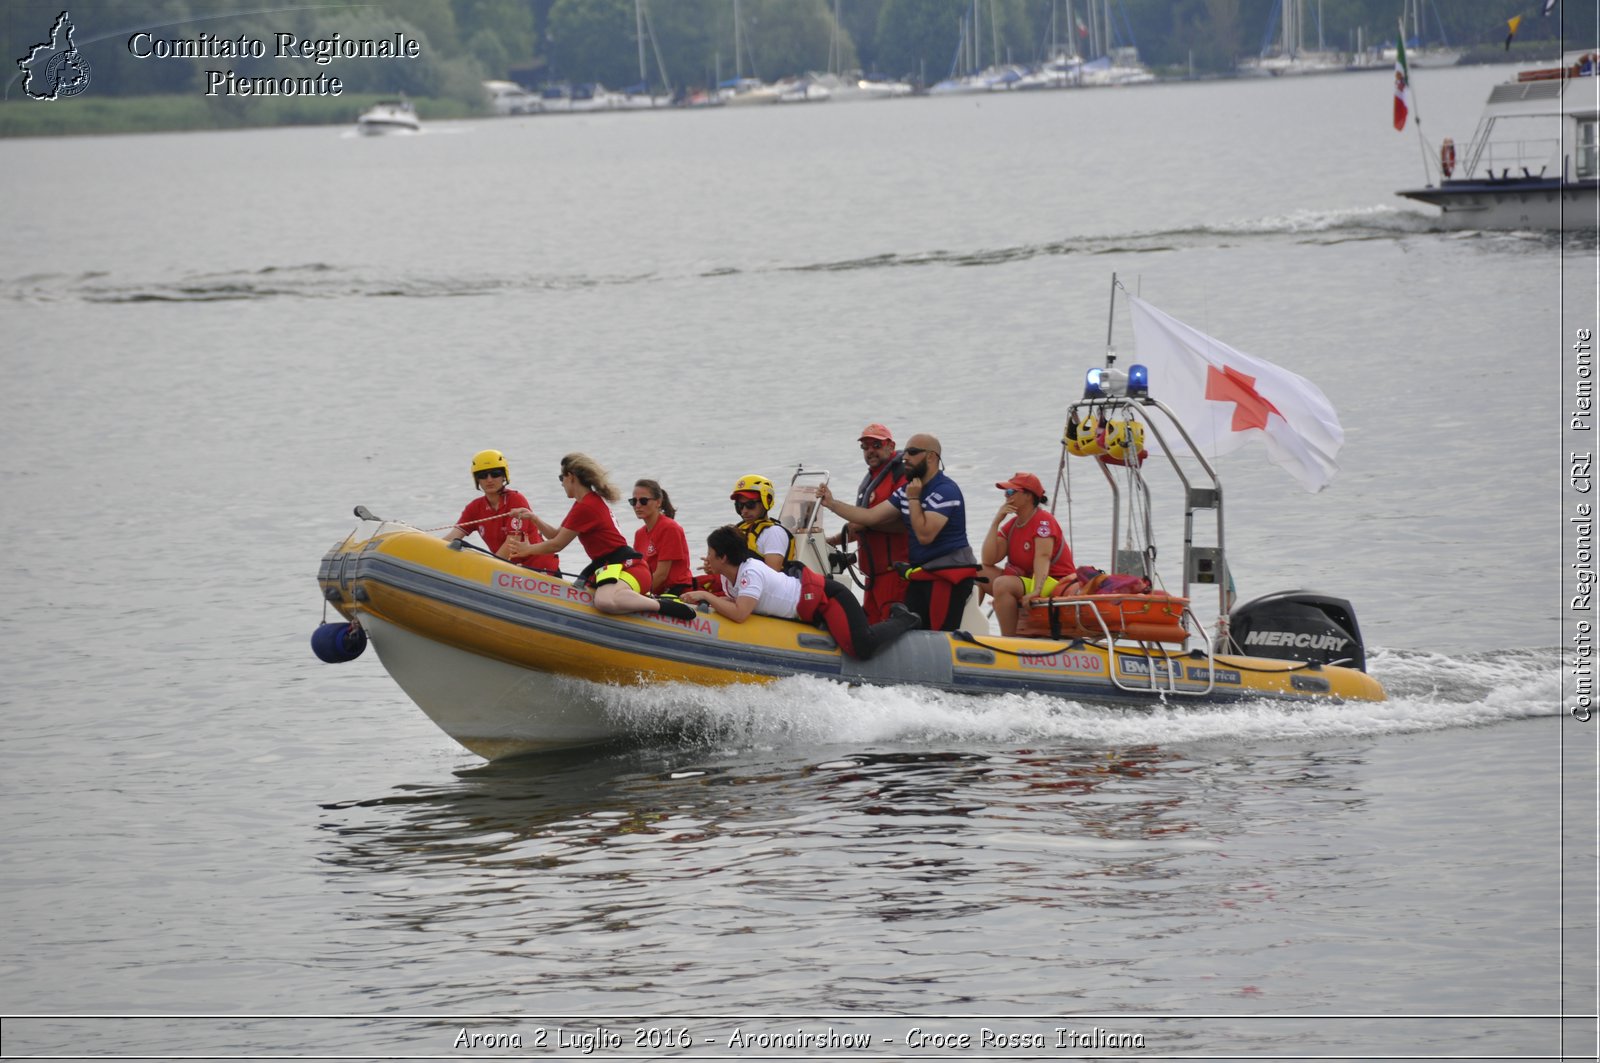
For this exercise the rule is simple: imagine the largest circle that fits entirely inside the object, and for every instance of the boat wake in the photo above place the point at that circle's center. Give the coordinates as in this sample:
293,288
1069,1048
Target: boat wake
321,280
1302,227
1427,692
314,280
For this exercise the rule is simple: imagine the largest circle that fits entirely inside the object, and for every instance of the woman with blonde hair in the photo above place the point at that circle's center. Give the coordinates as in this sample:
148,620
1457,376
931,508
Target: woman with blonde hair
616,573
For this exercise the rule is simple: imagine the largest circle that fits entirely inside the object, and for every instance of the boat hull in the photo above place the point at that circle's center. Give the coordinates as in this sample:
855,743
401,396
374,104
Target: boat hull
385,129
506,660
1530,203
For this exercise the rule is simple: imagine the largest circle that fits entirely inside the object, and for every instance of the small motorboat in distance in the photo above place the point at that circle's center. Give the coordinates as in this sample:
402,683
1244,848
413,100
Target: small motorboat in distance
509,661
389,116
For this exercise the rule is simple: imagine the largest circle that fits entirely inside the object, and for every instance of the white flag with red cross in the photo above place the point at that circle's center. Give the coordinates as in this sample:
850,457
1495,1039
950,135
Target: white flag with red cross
1226,398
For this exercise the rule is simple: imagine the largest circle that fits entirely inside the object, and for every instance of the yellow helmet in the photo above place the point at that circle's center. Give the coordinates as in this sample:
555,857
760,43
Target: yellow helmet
1125,442
759,484
1082,438
484,460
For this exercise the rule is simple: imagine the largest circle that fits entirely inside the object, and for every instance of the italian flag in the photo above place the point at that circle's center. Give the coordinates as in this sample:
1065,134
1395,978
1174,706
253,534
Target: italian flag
1402,83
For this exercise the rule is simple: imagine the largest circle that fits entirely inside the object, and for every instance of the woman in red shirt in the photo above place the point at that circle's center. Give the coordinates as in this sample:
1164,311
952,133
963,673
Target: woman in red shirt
661,540
1031,544
493,516
616,574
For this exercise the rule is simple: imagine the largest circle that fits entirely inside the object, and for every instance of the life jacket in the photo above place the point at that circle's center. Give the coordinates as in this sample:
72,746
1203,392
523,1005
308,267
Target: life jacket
880,551
752,530
891,470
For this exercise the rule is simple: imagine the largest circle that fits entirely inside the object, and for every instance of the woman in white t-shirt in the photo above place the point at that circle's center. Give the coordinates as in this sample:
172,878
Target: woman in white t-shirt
751,586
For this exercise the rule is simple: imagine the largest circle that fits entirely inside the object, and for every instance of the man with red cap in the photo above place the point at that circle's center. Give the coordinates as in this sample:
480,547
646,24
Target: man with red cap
1034,551
878,550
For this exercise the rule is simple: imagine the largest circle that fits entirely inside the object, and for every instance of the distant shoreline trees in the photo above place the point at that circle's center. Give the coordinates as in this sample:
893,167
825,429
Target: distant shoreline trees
697,42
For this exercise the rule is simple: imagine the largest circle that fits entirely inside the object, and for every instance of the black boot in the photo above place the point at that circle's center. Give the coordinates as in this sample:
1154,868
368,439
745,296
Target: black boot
882,634
901,609
673,609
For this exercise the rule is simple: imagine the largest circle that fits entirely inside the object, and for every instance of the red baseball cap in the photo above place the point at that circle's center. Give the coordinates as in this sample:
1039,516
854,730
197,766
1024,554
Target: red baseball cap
878,432
1024,481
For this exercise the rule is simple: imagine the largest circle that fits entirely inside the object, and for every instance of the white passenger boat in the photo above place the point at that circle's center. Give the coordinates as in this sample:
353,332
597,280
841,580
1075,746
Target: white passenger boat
508,661
1534,160
389,116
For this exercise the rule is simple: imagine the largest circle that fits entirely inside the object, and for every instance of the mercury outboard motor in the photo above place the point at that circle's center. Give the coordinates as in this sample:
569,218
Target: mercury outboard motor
1298,626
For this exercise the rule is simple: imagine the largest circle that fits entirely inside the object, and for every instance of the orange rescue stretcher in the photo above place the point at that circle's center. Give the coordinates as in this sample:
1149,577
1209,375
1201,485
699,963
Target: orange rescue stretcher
1152,617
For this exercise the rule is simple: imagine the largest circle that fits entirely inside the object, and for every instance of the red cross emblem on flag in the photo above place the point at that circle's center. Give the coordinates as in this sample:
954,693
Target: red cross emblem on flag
1229,385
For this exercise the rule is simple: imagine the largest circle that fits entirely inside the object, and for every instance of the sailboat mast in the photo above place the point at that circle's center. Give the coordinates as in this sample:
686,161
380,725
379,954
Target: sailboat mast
994,36
638,31
835,46
974,41
655,46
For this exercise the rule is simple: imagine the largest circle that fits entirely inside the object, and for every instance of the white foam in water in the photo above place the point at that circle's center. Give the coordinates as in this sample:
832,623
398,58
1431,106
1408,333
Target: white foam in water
1426,692
1318,221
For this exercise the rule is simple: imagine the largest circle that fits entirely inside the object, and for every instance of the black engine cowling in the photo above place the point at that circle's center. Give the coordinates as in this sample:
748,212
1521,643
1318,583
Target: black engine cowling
1298,626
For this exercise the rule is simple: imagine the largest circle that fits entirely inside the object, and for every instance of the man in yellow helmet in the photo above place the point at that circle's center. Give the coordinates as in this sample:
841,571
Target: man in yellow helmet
752,499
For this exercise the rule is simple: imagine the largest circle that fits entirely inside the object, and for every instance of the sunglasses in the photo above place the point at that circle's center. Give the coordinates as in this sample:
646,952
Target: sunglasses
746,503
640,501
498,474
1010,491
873,444
912,452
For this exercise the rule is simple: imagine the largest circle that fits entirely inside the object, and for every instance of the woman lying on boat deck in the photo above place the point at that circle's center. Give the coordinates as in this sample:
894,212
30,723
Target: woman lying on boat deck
616,573
752,586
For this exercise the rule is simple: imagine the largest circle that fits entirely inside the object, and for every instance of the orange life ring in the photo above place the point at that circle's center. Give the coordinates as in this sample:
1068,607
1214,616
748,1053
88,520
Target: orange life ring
1447,157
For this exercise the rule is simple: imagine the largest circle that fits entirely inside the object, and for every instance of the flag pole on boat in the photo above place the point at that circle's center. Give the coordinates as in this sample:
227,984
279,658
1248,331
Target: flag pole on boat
1111,319
1405,101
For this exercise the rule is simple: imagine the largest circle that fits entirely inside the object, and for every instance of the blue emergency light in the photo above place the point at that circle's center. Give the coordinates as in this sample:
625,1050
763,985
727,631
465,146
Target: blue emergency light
1138,381
1106,382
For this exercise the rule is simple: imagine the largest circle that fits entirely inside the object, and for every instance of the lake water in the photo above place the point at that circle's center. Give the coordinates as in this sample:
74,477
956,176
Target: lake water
217,344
